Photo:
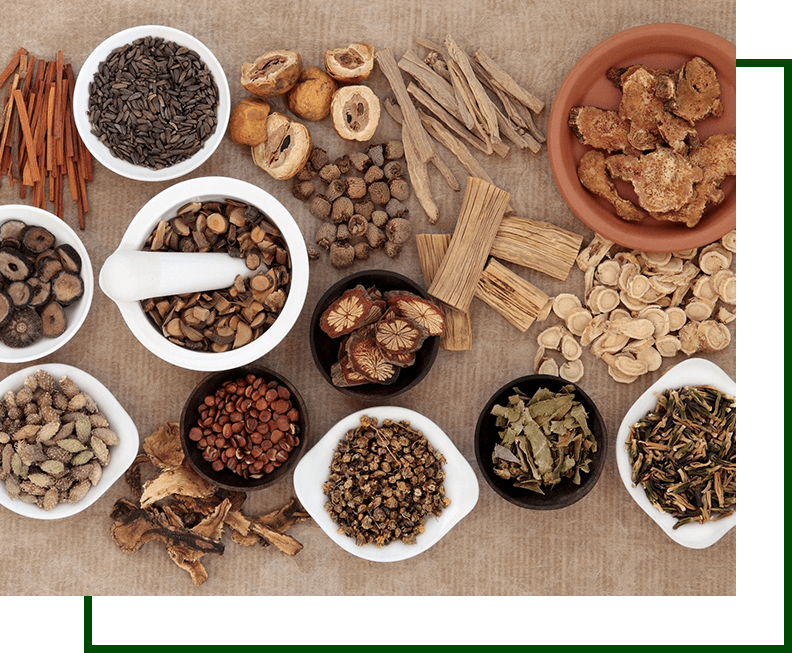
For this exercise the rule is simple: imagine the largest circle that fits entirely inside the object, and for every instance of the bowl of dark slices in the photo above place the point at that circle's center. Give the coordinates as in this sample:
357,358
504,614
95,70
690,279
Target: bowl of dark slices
375,334
46,283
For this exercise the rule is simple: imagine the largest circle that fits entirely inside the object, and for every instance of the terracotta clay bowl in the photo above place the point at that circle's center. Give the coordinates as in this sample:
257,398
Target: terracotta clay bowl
225,478
657,46
325,349
566,492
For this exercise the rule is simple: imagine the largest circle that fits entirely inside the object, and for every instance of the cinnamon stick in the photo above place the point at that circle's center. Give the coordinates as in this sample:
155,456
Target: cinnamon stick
12,66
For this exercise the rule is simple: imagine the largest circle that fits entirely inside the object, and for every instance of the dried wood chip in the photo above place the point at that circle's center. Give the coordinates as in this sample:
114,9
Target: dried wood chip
512,296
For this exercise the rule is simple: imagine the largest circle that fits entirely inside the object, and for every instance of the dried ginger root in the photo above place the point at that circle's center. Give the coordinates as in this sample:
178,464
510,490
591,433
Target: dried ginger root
189,515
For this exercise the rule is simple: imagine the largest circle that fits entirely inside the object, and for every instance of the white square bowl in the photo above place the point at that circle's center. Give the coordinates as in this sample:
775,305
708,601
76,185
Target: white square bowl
692,372
460,484
121,456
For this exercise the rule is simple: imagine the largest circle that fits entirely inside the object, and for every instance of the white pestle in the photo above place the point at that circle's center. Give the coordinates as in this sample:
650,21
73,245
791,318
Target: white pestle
130,275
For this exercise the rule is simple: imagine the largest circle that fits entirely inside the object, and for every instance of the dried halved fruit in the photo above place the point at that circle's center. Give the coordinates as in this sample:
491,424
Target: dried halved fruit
286,149
273,73
310,97
351,64
347,313
355,111
53,320
425,313
366,358
399,335
248,122
36,239
22,329
67,287
14,265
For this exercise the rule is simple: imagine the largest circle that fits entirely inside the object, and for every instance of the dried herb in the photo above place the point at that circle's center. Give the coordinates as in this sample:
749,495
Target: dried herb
544,439
384,481
684,454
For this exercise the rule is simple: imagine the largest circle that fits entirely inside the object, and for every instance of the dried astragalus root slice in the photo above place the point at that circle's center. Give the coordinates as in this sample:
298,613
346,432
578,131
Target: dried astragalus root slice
697,309
651,357
594,329
725,284
546,309
713,258
676,318
578,320
654,259
548,366
347,313
273,73
602,300
703,289
350,65
688,338
713,336
725,317
607,272
571,370
637,346
594,252
637,328
565,303
632,303
729,241
399,335
608,343
657,316
426,313
539,358
686,254
570,348
355,111
551,337
668,346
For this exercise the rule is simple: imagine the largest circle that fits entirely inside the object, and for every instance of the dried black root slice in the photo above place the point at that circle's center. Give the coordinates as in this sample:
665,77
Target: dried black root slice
6,309
53,320
36,239
12,229
67,287
47,268
20,293
22,329
42,290
14,265
69,258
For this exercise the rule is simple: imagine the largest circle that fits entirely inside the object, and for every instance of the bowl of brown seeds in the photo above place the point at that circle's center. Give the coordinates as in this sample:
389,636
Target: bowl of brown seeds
151,103
233,318
46,283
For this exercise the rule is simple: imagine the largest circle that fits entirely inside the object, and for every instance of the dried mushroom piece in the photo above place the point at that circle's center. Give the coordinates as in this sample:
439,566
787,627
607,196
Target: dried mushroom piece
286,149
273,73
350,65
22,329
355,112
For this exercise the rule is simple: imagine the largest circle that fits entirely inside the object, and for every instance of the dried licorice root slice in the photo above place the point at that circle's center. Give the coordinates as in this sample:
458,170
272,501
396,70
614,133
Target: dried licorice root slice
22,329
67,287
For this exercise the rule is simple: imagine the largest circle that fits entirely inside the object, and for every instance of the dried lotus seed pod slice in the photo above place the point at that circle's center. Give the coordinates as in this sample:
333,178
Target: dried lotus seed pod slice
366,358
399,335
22,329
713,258
273,73
607,272
729,241
548,366
347,313
713,336
651,357
350,65
570,348
571,371
564,304
286,149
355,112
577,321
668,346
426,313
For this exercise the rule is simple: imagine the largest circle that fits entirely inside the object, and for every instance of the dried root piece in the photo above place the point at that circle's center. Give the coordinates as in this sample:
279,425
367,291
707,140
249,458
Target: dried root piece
547,366
572,370
347,313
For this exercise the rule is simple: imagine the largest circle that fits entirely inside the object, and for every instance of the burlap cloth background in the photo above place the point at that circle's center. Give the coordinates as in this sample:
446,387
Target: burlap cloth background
602,545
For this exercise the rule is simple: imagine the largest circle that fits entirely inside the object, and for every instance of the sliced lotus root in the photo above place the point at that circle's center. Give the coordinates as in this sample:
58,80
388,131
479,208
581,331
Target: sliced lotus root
347,313
366,358
424,312
399,335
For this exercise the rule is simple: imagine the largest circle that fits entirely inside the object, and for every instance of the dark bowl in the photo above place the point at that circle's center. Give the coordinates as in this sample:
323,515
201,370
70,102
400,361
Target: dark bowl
225,478
566,492
325,349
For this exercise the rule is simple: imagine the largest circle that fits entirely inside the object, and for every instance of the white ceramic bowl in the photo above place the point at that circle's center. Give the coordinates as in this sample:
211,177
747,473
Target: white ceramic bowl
163,207
692,372
460,484
77,312
121,456
100,151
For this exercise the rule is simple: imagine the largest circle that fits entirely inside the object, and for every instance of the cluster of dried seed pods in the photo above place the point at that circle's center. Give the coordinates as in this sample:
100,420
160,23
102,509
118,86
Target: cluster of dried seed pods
381,333
362,207
248,426
227,319
54,441
642,307
38,280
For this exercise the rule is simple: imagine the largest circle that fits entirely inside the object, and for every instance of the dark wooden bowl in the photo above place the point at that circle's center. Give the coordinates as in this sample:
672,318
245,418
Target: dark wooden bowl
225,478
325,349
566,492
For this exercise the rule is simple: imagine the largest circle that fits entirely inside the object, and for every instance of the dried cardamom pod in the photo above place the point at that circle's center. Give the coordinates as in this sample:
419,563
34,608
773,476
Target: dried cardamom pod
82,428
107,436
71,444
52,467
82,457
42,480
100,449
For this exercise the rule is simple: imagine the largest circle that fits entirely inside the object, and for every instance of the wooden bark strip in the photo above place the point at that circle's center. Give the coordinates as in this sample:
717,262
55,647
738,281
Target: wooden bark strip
422,143
505,81
457,335
479,219
516,299
429,45
483,101
537,245
464,100
455,146
419,174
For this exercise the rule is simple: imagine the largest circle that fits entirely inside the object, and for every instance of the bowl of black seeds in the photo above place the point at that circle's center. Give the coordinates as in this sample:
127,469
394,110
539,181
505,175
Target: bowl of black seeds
151,103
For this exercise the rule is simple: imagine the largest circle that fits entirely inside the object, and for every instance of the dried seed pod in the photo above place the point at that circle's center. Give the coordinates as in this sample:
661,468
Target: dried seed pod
329,172
360,161
78,491
248,122
356,112
355,188
286,149
343,209
358,225
350,65
374,173
571,370
342,255
393,150
395,209
106,435
392,249
343,234
82,457
376,154
379,218
393,170
375,236
310,97
379,193
320,207
362,251
272,74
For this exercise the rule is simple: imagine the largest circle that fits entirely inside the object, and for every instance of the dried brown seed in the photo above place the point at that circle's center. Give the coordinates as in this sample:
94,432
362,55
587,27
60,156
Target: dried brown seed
355,188
326,234
374,173
320,207
342,255
343,209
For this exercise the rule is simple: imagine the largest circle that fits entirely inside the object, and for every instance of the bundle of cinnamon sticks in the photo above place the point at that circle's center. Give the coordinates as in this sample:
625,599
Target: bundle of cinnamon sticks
39,144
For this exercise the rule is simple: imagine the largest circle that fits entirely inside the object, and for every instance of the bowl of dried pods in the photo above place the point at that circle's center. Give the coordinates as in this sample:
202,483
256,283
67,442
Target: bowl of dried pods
676,451
211,274
399,469
541,442
244,429
46,283
375,334
151,103
64,440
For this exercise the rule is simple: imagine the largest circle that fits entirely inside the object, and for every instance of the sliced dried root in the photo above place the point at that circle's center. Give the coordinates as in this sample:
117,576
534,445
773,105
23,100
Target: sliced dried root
713,258
651,357
607,272
578,320
724,284
725,316
668,346
547,366
602,300
571,370
551,337
539,358
570,348
634,328
688,338
713,336
594,329
698,309
546,309
594,252
658,317
564,304
729,241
